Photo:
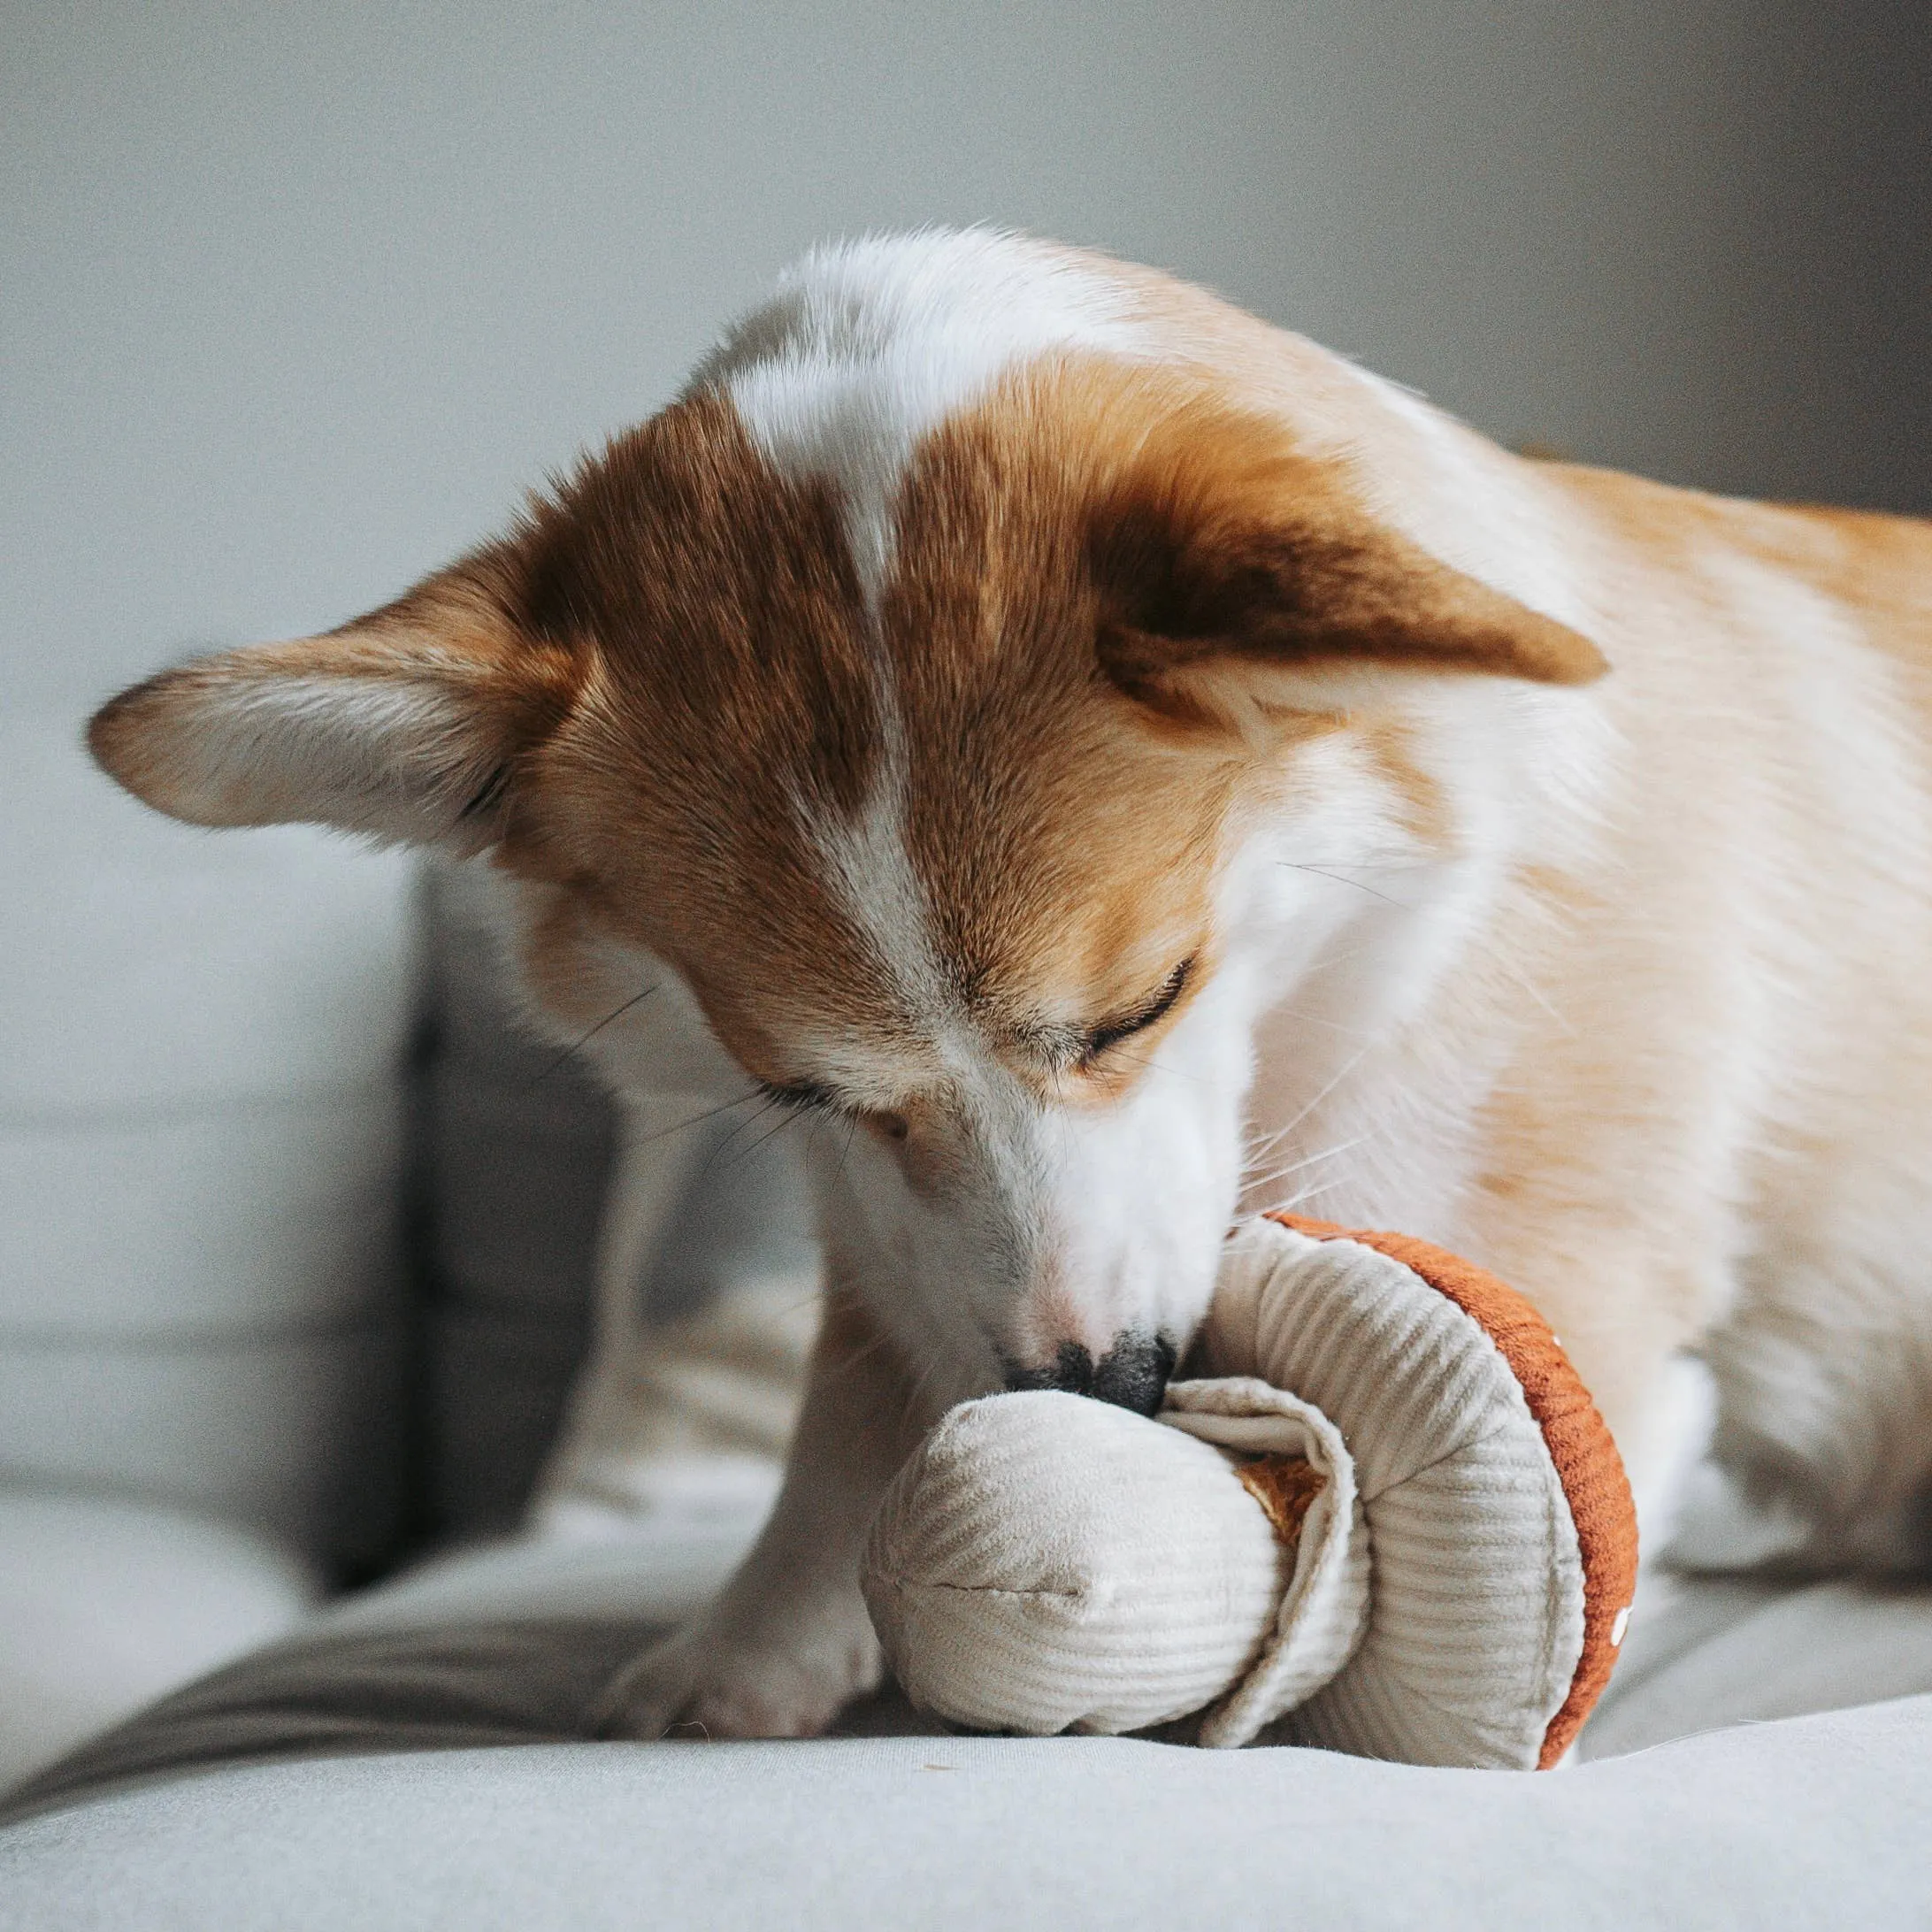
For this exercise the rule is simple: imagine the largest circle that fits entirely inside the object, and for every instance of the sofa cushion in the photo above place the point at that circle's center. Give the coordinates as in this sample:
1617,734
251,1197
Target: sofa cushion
1817,1822
154,965
295,1436
200,1128
1742,1650
105,1604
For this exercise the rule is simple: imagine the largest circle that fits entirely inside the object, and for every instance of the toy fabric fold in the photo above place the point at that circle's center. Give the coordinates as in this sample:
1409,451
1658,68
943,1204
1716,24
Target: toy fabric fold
1323,1609
1452,1594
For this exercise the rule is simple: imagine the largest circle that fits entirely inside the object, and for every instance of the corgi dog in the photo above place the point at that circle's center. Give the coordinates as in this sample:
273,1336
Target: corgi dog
1112,765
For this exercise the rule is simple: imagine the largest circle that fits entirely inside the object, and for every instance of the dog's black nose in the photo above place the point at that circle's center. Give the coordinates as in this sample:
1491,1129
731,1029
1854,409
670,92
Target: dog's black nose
1131,1374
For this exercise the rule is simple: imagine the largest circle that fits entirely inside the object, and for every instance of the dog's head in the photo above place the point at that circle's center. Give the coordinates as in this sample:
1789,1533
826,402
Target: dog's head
932,695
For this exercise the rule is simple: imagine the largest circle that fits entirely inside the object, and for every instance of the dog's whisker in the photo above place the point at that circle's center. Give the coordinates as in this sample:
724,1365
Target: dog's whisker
1259,1146
1338,1147
722,1149
684,1126
1400,864
1263,1178
918,1392
1310,1161
577,1045
864,1353
770,1133
1302,1196
1316,1019
838,1173
1157,1065
1341,879
1341,1073
1528,986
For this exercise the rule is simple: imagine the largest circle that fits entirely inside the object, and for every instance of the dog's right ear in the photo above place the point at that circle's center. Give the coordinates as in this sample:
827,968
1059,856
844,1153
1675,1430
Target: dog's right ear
1235,572
407,725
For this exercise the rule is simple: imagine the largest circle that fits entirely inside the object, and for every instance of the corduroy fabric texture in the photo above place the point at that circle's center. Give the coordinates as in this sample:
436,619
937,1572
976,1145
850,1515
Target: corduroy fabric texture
1580,1448
1320,1615
1045,1563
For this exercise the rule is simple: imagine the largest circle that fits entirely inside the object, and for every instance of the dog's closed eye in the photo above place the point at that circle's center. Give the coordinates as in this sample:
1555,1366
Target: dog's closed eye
1110,1033
805,1097
1084,1050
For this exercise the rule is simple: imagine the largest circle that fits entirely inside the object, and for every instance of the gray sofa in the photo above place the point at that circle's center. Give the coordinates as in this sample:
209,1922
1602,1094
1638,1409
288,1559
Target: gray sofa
296,1237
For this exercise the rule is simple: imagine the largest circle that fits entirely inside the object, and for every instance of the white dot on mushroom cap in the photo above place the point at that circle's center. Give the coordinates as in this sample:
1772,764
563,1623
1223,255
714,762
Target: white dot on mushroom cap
1620,1623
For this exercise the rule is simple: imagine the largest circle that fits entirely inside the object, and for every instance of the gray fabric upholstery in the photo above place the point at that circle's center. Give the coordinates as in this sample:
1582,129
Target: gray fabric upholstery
202,1322
107,1604
1738,1650
200,1114
516,1143
1813,1823
295,1435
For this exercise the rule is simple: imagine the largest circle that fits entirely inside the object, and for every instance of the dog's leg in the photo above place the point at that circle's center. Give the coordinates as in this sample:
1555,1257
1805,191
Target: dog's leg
1660,1429
654,1165
788,1642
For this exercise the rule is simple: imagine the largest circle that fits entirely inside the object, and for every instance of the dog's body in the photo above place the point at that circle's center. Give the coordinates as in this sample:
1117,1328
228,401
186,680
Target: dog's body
1112,760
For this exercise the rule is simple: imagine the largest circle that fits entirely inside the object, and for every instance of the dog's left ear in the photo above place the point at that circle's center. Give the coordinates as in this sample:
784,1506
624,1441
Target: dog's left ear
409,725
1225,560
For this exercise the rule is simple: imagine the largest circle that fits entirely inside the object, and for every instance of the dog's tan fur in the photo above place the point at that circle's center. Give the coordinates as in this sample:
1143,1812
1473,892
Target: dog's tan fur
1212,653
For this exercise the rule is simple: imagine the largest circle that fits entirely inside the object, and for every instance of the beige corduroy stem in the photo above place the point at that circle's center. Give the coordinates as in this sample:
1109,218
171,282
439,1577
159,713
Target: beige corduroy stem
1140,1580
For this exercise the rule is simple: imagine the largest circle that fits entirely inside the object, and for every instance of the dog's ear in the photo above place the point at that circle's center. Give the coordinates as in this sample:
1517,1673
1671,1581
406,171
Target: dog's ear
1229,566
407,725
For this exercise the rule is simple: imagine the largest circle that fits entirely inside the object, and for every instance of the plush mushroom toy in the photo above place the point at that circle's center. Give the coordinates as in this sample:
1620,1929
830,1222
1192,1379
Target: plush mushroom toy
1385,1519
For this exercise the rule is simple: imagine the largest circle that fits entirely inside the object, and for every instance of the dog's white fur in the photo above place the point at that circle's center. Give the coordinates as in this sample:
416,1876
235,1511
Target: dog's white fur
1636,1011
864,348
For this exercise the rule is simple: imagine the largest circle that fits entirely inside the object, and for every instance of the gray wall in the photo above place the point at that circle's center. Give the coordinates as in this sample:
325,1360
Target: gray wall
297,298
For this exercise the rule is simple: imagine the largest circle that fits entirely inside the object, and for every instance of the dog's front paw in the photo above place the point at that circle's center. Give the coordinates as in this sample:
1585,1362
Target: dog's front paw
702,1683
